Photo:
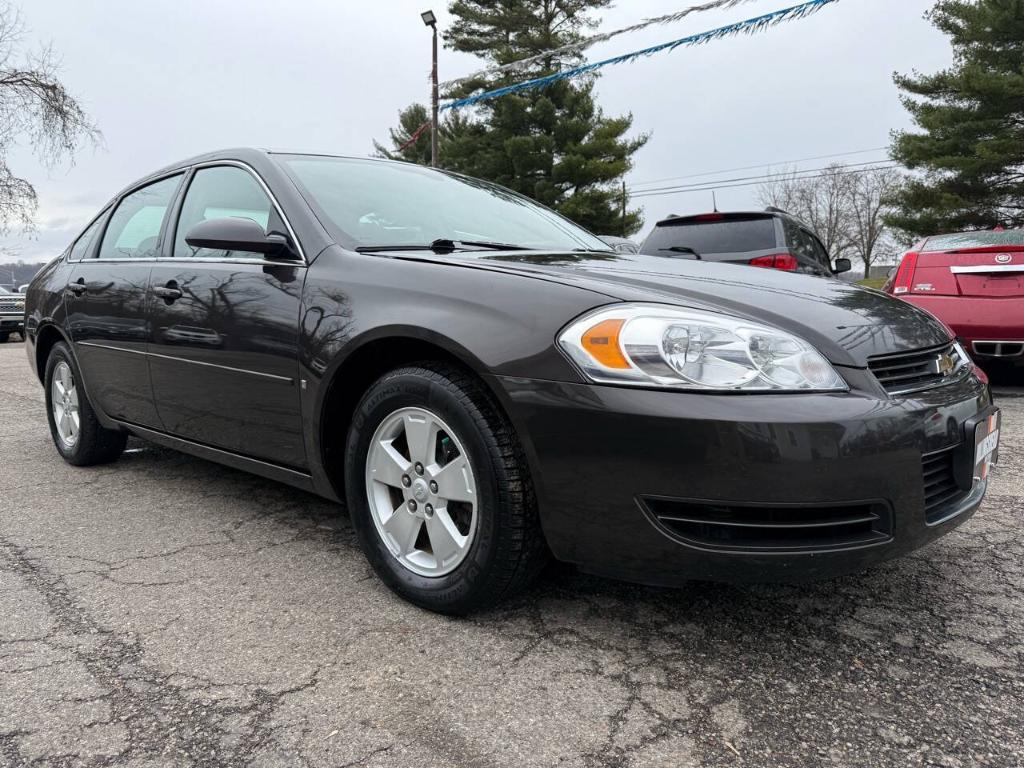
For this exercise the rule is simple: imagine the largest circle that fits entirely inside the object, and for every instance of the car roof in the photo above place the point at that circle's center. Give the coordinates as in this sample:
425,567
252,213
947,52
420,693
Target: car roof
251,155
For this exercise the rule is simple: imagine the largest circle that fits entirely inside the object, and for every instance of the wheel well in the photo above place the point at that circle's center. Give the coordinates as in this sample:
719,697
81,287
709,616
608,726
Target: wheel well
47,337
351,380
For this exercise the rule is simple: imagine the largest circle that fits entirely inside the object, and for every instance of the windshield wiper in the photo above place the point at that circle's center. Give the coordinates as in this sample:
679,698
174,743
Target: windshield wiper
682,249
443,245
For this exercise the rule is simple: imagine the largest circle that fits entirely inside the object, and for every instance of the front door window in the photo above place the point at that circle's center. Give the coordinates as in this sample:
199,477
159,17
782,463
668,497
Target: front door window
221,192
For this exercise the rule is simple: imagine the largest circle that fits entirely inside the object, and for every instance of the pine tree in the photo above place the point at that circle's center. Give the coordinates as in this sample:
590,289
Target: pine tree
971,146
554,145
414,119
403,145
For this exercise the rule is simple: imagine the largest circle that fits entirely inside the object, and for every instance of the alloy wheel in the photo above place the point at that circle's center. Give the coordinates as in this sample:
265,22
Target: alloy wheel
422,491
64,401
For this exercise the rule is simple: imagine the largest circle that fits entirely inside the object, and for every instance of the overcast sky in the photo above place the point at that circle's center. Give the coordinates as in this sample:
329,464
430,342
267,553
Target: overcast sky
165,79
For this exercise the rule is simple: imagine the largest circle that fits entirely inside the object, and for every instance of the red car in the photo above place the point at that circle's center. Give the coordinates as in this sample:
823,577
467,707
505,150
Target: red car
974,283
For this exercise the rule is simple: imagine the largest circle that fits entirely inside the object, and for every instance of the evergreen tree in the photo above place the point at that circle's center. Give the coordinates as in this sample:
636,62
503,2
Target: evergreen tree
971,148
410,120
403,145
554,145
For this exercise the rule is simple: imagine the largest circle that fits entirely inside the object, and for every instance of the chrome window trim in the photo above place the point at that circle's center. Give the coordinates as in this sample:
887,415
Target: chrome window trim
273,201
181,172
112,348
167,259
992,268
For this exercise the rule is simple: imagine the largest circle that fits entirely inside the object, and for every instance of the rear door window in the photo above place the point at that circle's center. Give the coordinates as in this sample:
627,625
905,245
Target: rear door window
83,244
134,228
713,237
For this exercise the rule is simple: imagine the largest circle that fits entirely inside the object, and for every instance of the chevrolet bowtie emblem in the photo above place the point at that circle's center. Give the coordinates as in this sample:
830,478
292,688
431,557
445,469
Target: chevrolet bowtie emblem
946,364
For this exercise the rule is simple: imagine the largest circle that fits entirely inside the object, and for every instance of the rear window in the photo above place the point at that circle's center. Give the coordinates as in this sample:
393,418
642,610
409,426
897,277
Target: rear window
974,240
730,236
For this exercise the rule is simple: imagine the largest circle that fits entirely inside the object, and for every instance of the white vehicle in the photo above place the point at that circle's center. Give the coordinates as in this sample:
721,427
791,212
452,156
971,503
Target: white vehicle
12,314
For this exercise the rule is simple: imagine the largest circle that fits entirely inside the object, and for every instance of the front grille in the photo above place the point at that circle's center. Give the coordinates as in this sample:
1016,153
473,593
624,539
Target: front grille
913,371
999,348
10,307
941,490
771,527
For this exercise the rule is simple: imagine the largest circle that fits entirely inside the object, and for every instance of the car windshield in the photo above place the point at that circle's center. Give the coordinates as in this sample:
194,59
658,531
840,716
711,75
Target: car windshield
711,236
376,203
975,240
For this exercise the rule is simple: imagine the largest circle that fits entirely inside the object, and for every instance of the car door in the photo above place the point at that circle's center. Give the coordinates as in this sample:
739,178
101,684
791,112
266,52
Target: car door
106,301
224,337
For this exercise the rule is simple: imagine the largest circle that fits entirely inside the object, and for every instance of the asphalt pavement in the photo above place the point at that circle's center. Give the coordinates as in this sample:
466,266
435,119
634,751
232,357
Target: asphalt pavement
166,611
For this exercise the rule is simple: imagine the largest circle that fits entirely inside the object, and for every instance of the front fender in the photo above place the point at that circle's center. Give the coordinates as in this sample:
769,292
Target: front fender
496,324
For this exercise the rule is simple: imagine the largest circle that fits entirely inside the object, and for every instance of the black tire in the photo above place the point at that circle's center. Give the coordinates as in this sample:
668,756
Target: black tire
94,444
508,549
4,336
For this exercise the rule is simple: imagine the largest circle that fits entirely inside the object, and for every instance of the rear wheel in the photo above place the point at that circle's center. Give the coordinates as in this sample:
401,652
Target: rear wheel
439,492
76,432
4,336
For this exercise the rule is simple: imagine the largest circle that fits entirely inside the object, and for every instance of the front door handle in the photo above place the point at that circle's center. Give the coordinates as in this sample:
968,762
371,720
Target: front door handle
78,288
168,292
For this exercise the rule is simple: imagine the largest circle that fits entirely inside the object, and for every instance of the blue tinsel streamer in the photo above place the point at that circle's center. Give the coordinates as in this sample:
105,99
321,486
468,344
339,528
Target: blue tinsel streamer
750,26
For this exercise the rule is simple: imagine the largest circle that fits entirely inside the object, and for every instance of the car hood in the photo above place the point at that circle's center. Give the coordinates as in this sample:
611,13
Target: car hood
847,323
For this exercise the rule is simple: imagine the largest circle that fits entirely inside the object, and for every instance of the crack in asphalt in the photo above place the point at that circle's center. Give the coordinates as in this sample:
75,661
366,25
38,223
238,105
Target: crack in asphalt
160,722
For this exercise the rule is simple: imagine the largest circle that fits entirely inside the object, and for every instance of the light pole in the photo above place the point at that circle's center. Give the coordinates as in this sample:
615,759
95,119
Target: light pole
431,21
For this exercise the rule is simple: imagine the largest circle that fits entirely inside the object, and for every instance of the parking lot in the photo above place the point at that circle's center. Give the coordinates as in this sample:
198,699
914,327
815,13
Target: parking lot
168,611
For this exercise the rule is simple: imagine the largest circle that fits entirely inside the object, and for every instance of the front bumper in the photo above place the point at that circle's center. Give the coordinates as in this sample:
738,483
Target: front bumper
12,323
605,460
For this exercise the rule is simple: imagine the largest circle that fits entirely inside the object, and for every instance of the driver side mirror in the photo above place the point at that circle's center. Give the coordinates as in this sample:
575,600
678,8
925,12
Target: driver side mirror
239,234
842,265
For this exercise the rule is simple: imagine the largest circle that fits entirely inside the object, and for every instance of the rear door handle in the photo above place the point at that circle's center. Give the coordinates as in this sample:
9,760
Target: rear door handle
78,288
168,292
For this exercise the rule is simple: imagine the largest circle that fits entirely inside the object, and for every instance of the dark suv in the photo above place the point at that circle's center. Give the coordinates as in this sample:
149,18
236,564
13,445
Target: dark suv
772,239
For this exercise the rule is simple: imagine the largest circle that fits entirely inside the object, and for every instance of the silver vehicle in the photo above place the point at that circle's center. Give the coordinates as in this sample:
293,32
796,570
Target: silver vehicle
12,314
620,244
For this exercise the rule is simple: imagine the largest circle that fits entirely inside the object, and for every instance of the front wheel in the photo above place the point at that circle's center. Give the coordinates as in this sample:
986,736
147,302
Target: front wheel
439,492
76,432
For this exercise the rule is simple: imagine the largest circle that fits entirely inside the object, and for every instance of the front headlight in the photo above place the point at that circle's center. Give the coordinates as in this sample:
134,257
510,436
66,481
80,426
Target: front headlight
648,345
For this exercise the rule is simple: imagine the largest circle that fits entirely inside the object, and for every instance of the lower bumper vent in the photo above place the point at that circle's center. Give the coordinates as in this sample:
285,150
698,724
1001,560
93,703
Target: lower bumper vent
941,490
770,527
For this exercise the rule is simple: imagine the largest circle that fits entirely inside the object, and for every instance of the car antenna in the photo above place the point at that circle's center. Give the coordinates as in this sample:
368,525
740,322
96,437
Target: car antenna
714,201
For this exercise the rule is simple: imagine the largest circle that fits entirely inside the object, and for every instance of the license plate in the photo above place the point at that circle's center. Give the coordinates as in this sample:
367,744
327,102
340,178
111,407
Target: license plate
986,442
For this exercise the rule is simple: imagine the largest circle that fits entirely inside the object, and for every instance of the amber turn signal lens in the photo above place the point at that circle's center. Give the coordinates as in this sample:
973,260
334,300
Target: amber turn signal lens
602,342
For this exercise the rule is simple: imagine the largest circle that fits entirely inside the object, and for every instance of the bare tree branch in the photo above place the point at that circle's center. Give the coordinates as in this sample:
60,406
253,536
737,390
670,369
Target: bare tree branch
844,207
36,108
